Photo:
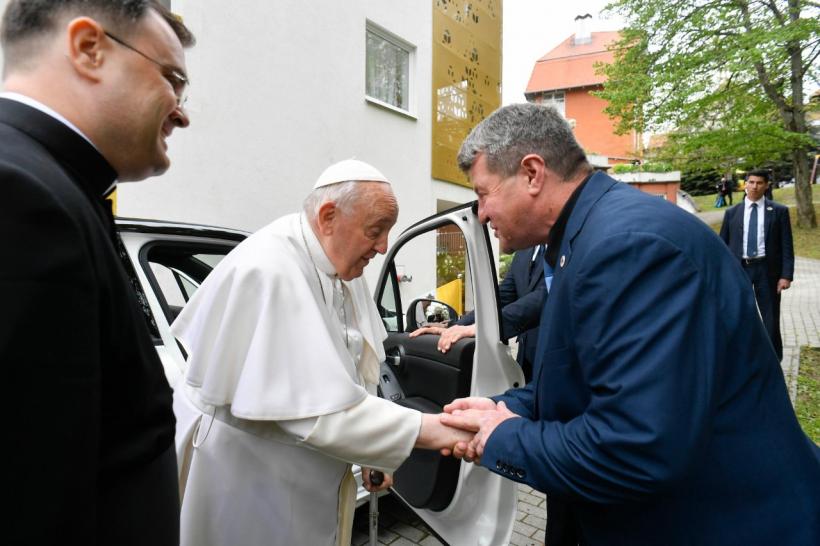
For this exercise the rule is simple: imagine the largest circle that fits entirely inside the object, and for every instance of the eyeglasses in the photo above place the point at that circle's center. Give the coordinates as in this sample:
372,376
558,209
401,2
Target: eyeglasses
179,82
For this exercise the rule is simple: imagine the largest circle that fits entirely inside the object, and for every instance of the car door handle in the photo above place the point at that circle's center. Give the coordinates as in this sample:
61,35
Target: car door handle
394,361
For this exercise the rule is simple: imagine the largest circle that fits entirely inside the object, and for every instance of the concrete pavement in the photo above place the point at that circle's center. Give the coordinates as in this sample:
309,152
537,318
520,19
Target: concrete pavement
800,317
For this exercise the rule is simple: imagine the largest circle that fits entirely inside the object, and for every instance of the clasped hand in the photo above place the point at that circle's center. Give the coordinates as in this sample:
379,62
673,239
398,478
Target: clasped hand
477,415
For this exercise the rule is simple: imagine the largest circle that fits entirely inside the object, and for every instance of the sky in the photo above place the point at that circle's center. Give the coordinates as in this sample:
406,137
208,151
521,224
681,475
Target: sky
531,28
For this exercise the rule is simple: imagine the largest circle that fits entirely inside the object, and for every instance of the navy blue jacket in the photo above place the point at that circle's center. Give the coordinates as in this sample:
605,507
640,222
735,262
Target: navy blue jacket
658,412
521,295
778,237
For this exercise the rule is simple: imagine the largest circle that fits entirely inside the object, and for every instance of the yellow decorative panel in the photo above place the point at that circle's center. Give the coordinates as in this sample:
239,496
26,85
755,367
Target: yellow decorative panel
466,76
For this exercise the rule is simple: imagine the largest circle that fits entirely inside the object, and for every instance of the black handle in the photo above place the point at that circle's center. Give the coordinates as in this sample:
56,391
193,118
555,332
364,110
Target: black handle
376,478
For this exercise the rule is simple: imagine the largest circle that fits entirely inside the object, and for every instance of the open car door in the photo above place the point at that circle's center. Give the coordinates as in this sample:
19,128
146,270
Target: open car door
439,269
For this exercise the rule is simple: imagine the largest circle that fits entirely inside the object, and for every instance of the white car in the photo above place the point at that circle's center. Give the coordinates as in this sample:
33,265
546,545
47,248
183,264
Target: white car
463,503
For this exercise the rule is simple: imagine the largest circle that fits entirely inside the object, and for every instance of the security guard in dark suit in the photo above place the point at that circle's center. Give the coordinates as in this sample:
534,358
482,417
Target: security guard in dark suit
759,234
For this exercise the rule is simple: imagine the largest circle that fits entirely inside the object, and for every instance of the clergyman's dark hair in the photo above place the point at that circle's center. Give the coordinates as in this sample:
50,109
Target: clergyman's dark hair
25,21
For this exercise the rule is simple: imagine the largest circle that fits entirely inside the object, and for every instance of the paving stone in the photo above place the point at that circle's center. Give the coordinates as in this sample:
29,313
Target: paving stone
540,535
521,540
534,510
535,521
431,541
524,488
386,536
401,541
409,532
530,499
524,529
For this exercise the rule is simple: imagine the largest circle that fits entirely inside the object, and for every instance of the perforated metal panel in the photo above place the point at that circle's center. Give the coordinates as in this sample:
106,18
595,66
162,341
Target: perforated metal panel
466,76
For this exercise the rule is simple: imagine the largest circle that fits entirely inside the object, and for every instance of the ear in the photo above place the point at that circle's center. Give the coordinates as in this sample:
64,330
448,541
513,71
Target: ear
325,217
532,166
87,46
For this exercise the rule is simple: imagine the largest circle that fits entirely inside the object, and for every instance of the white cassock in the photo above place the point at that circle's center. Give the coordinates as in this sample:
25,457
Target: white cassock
273,408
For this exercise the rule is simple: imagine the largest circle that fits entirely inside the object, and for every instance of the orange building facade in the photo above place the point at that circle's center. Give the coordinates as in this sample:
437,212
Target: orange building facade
565,78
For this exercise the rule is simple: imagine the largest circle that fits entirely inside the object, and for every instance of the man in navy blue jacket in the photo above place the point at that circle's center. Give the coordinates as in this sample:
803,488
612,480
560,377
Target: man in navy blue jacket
521,295
658,413
766,251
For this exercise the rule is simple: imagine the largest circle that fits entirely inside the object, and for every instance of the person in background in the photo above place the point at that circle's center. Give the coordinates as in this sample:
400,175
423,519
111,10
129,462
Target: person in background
759,234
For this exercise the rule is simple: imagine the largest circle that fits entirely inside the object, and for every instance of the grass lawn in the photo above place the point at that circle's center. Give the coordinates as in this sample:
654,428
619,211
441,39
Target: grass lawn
807,405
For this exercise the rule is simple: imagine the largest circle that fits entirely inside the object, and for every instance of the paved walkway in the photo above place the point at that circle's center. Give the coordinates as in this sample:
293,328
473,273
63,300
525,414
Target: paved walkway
800,325
800,317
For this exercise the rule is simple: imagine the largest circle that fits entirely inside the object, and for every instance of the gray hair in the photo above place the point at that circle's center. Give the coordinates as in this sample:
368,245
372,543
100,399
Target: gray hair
513,131
26,21
343,194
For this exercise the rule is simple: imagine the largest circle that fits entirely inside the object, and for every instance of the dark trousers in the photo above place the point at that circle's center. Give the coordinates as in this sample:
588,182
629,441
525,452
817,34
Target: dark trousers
768,301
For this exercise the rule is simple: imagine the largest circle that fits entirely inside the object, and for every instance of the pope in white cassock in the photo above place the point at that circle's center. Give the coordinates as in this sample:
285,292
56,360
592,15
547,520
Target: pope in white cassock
284,344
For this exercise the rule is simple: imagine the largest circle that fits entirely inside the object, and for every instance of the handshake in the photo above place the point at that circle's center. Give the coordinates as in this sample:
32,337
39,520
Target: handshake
463,428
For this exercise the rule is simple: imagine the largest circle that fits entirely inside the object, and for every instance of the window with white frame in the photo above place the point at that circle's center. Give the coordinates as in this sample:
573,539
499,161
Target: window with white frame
554,99
388,69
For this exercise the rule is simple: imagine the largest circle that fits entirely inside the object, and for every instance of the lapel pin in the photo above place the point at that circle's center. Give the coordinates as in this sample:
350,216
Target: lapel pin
769,208
563,260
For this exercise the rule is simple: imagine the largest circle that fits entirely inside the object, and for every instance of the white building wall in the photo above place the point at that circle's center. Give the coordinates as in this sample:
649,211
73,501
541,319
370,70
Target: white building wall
277,94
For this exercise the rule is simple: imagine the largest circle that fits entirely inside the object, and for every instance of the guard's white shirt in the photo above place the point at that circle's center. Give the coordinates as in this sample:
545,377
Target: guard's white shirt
761,232
273,407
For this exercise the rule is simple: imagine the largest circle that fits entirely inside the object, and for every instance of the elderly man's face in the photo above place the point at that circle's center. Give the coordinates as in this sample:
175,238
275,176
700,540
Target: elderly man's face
143,105
361,233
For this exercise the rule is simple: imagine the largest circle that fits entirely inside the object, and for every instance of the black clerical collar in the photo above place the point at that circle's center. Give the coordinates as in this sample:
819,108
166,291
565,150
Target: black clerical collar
89,168
557,230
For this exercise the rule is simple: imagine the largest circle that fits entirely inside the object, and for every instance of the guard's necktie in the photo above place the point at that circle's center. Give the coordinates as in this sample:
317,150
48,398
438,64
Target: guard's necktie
751,240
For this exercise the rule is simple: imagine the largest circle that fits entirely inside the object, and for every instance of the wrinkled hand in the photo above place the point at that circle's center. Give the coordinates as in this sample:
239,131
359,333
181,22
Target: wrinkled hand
448,335
435,435
436,330
783,284
481,421
388,481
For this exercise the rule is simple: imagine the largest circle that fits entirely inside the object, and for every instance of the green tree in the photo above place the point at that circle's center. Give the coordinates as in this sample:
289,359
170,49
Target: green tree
726,79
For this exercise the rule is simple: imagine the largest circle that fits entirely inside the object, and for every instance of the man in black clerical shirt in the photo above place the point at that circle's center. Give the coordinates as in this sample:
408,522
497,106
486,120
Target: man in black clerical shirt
93,89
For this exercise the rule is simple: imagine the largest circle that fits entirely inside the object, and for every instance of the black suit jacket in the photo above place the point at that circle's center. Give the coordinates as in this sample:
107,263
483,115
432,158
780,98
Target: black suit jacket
89,422
778,234
521,293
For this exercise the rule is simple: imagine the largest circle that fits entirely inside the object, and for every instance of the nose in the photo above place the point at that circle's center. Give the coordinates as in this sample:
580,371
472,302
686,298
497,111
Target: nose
179,117
381,245
482,213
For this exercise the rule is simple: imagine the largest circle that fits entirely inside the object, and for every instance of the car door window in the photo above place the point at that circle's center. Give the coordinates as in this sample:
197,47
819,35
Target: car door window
176,270
433,267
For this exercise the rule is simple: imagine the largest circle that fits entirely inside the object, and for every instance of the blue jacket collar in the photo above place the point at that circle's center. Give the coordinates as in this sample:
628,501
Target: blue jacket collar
598,184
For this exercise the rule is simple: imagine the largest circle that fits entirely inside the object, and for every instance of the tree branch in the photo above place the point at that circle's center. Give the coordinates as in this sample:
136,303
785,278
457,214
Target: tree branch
777,13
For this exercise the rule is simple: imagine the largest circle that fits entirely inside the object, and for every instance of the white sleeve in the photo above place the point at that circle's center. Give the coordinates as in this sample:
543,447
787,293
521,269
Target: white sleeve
375,433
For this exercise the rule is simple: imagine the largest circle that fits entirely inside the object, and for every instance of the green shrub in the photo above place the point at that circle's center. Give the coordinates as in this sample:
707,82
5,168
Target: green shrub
643,168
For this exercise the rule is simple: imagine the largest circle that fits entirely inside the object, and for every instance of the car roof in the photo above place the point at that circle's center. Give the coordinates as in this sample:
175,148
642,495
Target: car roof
144,225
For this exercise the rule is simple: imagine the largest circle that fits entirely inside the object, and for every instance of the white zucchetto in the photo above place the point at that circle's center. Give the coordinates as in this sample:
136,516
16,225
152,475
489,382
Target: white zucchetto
347,171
